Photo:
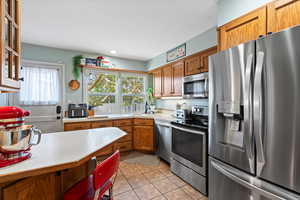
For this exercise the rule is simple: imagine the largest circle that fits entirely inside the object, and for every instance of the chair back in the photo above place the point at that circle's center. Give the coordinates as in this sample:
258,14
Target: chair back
105,170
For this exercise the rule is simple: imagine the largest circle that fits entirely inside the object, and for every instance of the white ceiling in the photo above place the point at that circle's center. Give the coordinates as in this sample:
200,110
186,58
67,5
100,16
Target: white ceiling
136,29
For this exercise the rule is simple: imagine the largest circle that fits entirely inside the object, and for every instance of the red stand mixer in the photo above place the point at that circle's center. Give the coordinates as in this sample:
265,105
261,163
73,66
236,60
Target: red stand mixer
16,138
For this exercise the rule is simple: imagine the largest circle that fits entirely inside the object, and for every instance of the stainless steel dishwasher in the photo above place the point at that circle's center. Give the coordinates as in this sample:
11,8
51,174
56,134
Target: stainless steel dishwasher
164,136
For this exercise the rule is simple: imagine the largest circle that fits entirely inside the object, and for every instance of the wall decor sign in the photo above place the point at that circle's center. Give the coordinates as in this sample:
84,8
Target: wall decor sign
176,53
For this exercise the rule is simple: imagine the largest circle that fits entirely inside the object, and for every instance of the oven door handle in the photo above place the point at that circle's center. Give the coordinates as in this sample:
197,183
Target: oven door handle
188,130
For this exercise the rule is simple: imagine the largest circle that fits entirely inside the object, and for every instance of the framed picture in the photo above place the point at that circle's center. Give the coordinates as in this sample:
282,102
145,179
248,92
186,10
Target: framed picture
176,53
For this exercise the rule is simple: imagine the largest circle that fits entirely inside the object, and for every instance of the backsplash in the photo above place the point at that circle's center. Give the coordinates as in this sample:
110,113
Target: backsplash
170,104
3,99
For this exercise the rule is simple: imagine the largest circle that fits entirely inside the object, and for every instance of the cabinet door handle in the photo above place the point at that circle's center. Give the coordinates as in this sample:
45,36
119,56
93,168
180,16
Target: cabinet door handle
21,79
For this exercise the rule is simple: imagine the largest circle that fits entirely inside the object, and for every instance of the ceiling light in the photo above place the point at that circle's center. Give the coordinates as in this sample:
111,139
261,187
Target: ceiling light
113,51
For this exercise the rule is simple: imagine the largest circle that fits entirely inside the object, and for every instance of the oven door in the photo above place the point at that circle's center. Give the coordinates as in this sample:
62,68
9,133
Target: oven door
195,86
189,148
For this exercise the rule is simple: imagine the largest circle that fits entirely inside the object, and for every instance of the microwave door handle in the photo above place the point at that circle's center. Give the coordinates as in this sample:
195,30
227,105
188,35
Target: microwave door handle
248,122
258,113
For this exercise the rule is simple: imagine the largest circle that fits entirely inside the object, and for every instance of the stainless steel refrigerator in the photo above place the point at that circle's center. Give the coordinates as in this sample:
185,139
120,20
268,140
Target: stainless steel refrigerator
254,119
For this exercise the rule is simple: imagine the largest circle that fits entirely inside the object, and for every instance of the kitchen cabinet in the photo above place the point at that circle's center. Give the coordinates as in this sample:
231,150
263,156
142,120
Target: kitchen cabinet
167,81
32,188
204,58
143,138
157,81
139,138
10,45
243,29
283,14
143,122
177,76
101,124
77,126
122,122
192,65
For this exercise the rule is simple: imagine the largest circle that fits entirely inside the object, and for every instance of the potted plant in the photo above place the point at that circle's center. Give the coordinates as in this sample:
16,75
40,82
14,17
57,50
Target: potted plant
151,99
75,84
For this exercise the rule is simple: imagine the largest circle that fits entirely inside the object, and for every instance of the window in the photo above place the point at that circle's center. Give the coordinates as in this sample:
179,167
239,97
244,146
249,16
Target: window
40,86
102,89
115,92
132,89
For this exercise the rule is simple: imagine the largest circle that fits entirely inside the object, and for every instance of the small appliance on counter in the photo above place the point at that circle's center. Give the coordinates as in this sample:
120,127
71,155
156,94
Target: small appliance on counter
77,111
189,146
16,138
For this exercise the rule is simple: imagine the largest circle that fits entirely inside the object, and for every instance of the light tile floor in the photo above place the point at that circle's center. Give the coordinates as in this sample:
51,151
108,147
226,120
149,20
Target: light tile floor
139,181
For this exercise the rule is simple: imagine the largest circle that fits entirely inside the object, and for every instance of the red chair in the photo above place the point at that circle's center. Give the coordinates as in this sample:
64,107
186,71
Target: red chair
94,186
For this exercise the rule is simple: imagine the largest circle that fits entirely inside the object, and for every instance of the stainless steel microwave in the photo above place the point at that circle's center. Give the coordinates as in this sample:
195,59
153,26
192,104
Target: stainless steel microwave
195,86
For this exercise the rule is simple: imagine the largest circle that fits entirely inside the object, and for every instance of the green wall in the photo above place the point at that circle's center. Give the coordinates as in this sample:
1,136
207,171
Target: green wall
200,42
231,9
47,54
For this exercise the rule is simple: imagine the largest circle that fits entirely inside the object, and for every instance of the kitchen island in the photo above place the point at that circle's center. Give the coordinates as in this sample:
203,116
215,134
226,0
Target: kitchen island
57,163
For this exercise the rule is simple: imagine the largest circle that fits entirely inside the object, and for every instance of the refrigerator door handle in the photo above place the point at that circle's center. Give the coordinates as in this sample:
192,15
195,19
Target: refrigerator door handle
258,112
234,176
206,87
248,111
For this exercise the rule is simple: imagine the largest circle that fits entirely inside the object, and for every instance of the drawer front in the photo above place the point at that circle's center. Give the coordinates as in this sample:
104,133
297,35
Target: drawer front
126,138
106,150
77,126
102,124
124,146
143,122
123,122
127,129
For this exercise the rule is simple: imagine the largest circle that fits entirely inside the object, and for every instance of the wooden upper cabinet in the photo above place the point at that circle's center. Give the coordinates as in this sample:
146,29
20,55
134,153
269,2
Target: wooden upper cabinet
204,58
10,44
157,81
283,14
167,81
246,28
192,65
177,73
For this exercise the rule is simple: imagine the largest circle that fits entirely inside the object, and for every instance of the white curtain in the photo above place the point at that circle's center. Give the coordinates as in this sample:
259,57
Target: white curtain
40,86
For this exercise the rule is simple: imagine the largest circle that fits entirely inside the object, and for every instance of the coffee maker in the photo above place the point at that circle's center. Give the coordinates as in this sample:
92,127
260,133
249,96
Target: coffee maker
16,138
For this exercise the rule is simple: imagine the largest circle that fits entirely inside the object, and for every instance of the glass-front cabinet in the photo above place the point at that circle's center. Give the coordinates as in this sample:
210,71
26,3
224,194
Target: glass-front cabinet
10,45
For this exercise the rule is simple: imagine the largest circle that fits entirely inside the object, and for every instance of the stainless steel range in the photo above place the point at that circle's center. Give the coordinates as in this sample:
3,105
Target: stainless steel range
189,148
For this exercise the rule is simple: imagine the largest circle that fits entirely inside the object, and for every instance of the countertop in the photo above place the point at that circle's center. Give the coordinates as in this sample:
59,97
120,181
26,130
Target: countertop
167,116
62,150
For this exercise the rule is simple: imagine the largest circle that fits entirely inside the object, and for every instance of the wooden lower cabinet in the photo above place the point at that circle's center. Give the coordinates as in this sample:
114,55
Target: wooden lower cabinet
140,135
124,146
36,188
77,126
143,138
101,124
49,186
107,150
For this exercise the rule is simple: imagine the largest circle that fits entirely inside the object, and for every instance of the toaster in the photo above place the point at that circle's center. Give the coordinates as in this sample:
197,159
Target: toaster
77,111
